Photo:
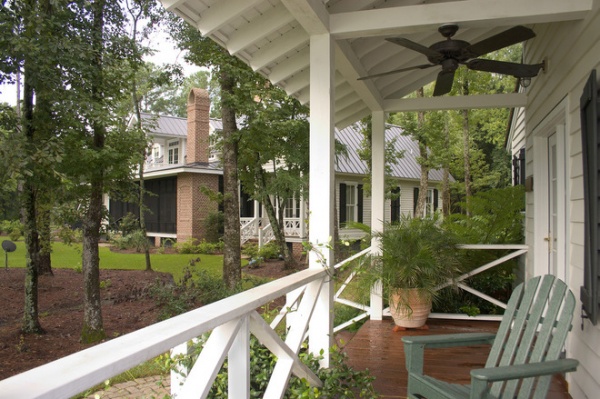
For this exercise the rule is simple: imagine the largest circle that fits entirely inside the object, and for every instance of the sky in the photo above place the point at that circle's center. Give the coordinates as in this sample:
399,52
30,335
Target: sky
166,53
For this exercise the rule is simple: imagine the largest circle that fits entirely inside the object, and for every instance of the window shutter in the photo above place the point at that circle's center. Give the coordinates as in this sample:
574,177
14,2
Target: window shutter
395,205
359,200
590,128
415,199
435,199
342,210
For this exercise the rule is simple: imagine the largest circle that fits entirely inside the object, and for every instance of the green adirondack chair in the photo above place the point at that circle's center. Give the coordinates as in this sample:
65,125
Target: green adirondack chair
525,351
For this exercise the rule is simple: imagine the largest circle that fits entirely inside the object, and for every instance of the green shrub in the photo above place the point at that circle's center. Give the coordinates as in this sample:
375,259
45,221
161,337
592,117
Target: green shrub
187,247
250,250
68,235
269,251
339,380
128,224
214,227
13,228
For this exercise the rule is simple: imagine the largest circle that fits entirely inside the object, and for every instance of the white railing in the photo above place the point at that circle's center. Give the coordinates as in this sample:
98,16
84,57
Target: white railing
293,227
516,251
265,235
248,229
231,320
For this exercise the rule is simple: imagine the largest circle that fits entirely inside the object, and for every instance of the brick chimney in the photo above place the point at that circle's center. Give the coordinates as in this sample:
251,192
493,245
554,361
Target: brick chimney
198,107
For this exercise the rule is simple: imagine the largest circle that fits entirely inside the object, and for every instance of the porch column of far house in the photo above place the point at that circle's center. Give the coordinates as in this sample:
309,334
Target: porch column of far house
321,187
377,201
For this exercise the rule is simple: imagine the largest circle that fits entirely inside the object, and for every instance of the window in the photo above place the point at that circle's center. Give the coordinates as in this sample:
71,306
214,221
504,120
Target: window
431,201
590,128
395,205
292,208
519,168
351,203
173,152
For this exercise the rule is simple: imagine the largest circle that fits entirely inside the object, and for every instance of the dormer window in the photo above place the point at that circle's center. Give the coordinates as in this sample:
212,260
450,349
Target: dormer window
173,148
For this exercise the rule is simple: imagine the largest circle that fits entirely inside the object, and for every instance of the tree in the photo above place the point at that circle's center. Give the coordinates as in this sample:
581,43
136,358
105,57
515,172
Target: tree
230,73
273,155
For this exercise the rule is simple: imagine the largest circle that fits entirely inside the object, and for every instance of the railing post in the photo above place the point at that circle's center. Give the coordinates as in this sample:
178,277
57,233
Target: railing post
239,363
378,202
260,237
178,370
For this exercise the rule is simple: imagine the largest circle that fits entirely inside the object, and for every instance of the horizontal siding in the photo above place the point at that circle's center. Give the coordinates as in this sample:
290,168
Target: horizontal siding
573,50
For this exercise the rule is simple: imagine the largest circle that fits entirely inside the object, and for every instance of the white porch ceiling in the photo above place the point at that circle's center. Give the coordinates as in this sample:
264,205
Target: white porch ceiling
272,36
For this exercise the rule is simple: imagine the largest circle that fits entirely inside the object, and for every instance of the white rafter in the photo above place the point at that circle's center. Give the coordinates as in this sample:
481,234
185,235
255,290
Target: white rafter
289,41
221,13
482,13
261,27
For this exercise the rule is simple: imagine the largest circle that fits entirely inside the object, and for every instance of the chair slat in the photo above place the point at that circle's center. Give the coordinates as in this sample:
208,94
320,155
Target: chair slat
528,343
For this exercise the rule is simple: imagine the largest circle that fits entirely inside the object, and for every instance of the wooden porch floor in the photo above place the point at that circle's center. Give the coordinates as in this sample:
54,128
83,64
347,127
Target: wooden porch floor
378,348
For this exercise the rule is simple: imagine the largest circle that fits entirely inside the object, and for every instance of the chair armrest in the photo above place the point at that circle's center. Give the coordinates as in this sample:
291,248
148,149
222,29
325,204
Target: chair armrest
414,346
449,340
506,373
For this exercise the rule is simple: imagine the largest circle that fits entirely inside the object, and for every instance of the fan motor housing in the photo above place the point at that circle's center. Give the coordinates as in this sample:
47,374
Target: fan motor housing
450,48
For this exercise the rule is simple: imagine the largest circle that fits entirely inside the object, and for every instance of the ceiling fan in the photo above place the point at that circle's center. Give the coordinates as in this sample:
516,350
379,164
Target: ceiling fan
451,53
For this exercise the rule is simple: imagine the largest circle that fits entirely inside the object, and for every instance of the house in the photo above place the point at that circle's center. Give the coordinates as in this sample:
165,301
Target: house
181,161
317,51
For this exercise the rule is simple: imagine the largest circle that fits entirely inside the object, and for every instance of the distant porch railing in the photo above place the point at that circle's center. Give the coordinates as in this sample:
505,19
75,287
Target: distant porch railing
260,229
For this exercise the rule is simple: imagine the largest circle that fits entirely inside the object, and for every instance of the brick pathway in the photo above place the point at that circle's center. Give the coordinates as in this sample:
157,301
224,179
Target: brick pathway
153,387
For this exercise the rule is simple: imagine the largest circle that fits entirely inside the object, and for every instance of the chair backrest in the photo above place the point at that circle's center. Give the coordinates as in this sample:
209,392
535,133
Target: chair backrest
533,329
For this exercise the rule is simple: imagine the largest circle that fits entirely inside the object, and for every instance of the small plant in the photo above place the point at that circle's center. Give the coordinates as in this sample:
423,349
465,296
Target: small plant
269,251
104,284
250,250
78,268
22,345
214,227
68,235
15,234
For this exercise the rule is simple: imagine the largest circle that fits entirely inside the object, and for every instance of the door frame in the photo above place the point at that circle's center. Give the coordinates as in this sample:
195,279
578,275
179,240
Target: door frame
556,122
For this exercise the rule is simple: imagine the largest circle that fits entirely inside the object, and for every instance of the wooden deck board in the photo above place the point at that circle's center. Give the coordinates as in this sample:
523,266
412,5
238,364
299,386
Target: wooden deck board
378,348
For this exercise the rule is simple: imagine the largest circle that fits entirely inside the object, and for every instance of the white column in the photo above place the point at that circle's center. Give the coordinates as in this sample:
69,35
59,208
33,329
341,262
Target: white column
322,80
378,201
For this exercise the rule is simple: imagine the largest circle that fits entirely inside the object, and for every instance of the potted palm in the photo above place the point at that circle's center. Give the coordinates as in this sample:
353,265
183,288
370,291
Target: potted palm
417,255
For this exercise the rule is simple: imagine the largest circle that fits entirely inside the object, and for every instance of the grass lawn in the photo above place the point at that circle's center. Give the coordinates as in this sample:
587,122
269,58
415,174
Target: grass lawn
69,257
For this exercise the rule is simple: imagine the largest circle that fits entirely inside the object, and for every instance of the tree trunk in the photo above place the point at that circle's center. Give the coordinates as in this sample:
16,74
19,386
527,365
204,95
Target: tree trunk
136,108
93,330
31,323
466,149
446,174
424,178
232,259
276,222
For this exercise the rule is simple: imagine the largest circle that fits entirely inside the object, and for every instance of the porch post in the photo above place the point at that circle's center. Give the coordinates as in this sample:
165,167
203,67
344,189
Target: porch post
378,201
322,82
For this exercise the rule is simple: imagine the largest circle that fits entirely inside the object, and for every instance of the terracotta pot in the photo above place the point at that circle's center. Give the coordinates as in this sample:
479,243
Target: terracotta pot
410,307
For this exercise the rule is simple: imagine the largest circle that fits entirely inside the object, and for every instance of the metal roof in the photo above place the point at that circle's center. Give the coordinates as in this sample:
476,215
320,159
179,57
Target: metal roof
273,38
351,136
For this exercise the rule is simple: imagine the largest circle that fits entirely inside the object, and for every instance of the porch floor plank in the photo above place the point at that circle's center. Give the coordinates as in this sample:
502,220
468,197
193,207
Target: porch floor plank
378,348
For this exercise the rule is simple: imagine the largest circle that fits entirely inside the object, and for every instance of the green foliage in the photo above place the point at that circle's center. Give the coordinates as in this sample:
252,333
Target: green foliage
196,288
269,251
250,250
68,235
8,226
192,246
135,239
339,380
129,223
495,217
214,227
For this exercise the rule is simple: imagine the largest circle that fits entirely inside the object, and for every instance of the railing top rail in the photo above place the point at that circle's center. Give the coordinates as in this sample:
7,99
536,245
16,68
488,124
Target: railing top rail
73,374
350,259
493,246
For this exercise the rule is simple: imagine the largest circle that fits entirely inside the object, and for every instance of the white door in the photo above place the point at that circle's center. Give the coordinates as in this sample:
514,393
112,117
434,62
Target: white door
556,204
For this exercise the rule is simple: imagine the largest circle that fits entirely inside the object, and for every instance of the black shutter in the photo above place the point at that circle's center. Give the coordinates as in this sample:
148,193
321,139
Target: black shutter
395,205
342,210
415,199
359,200
435,199
590,128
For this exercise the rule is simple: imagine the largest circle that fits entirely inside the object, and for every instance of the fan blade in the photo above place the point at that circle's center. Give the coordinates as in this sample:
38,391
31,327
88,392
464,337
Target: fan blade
505,68
432,55
443,84
377,75
507,38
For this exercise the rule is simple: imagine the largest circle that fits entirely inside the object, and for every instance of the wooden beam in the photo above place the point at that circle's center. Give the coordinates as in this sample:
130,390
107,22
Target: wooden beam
482,13
456,102
311,14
